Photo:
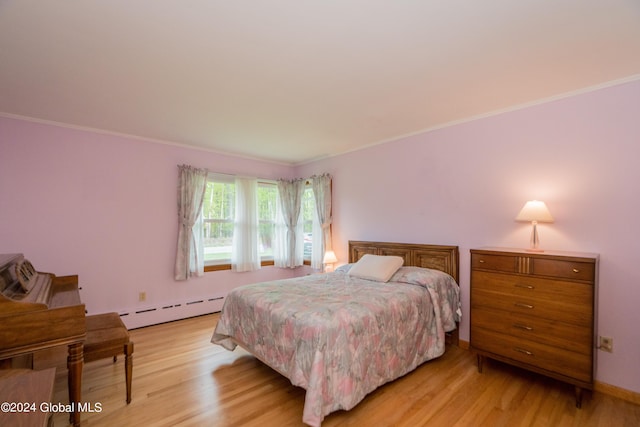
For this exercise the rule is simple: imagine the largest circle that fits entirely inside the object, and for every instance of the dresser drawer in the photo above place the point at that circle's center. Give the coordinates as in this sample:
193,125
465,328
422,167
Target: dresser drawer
533,287
557,360
535,265
567,312
504,263
549,332
575,270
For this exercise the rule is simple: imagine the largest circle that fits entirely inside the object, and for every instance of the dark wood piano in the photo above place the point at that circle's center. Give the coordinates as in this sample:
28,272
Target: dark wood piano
40,311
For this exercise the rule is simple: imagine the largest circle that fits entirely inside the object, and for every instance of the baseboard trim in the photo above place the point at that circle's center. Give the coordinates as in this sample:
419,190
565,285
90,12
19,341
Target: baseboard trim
620,393
600,387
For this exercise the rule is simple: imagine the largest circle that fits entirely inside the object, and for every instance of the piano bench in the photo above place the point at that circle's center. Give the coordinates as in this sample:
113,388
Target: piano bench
107,336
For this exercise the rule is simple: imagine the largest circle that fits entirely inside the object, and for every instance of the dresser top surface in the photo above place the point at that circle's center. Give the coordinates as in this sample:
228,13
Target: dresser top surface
521,251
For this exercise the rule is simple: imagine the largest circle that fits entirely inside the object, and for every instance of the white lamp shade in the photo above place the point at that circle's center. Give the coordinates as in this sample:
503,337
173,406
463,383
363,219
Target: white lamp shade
329,258
535,210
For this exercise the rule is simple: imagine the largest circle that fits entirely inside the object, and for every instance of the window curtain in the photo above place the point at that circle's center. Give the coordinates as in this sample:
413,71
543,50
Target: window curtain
289,244
192,183
317,244
245,254
321,186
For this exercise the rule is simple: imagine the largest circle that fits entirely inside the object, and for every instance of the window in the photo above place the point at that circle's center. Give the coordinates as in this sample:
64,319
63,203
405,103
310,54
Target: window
218,213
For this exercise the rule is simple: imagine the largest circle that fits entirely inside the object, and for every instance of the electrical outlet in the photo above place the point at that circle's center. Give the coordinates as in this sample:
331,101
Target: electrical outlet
142,296
606,344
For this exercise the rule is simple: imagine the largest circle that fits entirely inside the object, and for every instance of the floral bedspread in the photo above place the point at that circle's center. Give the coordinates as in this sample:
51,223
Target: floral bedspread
340,337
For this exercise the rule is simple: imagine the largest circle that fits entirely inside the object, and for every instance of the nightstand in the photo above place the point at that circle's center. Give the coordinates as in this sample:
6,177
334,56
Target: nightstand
536,310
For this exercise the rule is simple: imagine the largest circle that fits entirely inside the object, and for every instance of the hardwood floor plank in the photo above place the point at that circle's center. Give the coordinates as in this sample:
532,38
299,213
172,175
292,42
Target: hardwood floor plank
181,379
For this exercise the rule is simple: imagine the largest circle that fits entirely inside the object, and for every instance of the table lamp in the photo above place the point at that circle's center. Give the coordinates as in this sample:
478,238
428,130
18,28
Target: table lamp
328,261
535,211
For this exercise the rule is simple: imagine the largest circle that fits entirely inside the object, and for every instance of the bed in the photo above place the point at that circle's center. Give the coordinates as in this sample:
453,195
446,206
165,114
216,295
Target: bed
340,335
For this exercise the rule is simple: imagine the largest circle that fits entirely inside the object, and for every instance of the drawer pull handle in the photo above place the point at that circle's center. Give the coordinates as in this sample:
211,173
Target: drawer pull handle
523,351
525,327
523,305
518,285
575,270
481,261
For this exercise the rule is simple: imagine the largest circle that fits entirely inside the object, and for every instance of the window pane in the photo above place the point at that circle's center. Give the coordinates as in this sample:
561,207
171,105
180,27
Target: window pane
308,207
218,211
267,218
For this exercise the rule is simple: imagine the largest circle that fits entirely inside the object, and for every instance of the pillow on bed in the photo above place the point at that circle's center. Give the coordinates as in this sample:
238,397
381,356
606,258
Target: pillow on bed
376,267
344,268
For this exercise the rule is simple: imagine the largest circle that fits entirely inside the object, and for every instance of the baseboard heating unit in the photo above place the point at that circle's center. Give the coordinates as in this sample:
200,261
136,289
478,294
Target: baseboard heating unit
152,315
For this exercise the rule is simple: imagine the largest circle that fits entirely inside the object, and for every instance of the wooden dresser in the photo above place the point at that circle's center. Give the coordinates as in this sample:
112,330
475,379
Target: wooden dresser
536,310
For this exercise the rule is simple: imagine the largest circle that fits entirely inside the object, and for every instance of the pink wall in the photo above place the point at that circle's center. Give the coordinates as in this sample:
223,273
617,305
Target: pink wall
104,207
464,185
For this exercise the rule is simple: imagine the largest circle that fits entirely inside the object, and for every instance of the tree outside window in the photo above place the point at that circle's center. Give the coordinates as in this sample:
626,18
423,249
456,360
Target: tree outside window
218,212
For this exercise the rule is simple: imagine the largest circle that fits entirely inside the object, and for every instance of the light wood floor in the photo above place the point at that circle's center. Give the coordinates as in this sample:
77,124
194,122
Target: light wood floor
180,379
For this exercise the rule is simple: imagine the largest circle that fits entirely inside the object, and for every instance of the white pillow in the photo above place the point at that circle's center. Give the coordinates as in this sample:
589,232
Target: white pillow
376,267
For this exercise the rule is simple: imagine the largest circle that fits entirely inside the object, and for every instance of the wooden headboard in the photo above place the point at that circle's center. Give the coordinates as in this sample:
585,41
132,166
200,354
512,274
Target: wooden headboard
443,258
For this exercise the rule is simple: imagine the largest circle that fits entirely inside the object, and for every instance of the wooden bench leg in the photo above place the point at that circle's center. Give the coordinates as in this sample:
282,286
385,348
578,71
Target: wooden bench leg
128,367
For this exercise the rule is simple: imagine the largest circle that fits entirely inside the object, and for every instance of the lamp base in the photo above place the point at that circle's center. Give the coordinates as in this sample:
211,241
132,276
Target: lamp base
535,240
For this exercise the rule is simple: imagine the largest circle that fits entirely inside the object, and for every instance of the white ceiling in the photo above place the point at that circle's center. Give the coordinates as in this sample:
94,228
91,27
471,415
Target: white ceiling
295,80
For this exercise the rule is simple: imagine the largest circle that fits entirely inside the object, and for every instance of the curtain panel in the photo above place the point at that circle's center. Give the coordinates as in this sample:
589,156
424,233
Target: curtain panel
321,186
245,254
192,183
289,244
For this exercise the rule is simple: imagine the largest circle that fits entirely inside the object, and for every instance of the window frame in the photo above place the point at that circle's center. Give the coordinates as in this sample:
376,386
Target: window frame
221,179
265,261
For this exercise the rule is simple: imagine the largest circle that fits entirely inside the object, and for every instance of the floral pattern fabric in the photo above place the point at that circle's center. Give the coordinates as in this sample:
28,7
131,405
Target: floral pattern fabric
341,337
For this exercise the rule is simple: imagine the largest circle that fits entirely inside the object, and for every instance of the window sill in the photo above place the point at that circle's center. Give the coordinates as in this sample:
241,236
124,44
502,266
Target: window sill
220,267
